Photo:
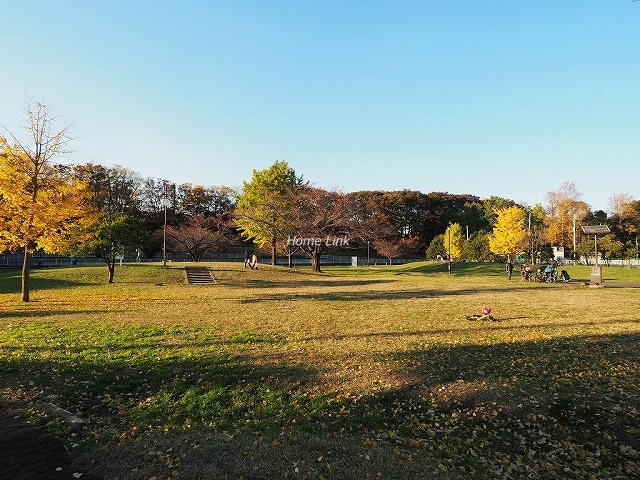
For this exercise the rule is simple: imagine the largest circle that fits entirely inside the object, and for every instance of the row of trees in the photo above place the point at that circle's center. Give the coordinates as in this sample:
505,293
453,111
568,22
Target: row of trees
533,231
94,210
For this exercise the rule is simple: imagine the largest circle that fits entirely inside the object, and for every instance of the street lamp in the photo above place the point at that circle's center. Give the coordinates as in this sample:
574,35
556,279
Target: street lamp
530,240
449,230
573,253
164,203
368,255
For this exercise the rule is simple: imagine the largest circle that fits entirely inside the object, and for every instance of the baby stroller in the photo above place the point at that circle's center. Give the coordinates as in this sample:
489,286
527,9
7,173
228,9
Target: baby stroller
547,274
525,272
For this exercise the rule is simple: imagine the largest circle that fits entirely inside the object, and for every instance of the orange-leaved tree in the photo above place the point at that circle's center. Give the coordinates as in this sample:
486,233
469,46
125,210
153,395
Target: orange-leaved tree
40,202
509,235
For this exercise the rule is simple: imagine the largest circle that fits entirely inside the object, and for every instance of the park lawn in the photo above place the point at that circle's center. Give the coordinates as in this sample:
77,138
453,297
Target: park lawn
354,373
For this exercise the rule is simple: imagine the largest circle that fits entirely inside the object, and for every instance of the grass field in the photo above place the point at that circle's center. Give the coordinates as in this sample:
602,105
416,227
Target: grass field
355,373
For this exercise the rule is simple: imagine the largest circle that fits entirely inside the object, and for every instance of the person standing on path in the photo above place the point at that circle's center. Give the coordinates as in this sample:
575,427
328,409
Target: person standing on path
247,258
509,268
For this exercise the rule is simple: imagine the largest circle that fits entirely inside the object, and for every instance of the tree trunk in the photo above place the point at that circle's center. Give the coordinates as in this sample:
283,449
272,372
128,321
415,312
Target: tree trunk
315,261
273,251
26,270
290,260
111,265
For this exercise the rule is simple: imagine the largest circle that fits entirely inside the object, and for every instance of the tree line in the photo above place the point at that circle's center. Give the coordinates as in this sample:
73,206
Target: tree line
91,209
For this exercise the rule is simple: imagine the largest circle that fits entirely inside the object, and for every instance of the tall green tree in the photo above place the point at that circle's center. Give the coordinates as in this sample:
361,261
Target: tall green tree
40,202
610,247
436,248
492,204
112,235
477,247
265,204
509,235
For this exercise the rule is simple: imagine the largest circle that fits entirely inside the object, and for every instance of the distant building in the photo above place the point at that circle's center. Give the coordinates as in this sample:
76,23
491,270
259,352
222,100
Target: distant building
558,252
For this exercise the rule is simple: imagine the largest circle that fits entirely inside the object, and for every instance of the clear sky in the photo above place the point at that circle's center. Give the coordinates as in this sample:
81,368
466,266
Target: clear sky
507,98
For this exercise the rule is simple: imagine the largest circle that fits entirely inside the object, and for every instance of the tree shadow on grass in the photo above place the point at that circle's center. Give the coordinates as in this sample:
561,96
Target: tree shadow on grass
220,391
541,405
350,295
307,283
468,326
14,285
48,313
457,268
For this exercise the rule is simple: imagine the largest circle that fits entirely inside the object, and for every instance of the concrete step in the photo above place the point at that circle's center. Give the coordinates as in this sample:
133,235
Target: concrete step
199,275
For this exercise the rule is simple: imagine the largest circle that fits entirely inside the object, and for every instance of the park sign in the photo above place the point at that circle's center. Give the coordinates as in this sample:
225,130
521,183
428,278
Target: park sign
595,229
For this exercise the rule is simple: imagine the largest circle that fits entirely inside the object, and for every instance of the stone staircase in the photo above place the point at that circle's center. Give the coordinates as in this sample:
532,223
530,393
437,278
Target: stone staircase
199,275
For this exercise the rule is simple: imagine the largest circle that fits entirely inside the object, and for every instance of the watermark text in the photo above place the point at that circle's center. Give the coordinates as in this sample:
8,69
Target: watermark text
329,241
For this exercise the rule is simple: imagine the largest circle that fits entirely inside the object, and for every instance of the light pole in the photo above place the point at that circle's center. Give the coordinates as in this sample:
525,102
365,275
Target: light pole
368,256
449,230
530,240
164,203
573,253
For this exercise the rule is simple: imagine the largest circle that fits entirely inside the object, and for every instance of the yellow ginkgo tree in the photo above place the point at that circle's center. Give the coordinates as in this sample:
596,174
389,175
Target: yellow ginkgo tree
40,202
453,241
509,235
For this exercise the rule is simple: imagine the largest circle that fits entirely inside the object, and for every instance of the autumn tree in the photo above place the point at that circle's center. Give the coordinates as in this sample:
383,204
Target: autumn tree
391,248
508,236
324,217
562,205
265,203
199,236
194,200
453,241
40,202
625,216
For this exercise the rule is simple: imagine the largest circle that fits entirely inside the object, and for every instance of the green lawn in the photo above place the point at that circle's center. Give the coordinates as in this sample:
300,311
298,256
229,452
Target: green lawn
354,373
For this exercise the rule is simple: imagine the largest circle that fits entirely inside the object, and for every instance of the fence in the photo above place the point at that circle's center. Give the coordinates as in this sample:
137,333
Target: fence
40,259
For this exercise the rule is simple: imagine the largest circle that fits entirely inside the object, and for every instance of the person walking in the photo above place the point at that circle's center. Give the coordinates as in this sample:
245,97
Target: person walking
247,258
254,261
509,268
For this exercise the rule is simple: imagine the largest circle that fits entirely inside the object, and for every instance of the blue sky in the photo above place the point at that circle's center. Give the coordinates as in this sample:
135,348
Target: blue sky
481,97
